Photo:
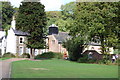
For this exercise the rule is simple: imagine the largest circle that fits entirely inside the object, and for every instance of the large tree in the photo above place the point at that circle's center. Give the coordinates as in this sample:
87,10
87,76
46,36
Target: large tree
7,13
31,18
68,10
64,18
97,22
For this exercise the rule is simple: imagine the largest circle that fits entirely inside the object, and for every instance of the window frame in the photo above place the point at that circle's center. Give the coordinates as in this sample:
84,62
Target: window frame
20,40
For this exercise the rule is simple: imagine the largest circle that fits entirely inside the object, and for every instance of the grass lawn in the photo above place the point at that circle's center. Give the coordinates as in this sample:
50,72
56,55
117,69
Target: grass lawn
61,69
4,58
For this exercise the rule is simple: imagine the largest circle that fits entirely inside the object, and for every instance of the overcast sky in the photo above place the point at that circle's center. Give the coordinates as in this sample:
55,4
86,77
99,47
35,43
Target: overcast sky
50,5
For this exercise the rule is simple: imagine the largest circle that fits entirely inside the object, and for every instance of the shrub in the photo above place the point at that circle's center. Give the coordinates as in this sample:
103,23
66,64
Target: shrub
8,55
83,59
49,55
92,61
58,55
25,55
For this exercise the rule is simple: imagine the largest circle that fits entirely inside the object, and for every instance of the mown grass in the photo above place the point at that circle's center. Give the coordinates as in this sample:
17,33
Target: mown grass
61,69
4,58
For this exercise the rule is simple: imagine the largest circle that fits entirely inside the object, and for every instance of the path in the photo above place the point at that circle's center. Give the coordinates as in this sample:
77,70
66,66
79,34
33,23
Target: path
5,67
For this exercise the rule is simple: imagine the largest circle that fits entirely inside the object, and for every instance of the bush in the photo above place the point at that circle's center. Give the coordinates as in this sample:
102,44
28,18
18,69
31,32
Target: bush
92,61
49,55
25,55
8,55
58,55
83,59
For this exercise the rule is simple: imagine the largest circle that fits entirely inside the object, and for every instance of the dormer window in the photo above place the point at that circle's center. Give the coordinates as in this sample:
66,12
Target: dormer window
21,40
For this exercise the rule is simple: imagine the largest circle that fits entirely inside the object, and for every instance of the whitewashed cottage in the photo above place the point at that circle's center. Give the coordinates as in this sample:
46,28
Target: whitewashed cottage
15,41
2,41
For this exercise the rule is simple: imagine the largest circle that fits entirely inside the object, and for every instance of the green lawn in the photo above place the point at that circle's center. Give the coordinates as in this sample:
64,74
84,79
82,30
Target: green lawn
4,58
61,69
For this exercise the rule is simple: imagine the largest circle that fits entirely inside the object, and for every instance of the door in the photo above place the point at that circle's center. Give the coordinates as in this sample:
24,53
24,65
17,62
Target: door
0,53
20,50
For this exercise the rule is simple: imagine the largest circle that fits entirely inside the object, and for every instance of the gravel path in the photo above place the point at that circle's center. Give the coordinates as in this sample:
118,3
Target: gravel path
5,67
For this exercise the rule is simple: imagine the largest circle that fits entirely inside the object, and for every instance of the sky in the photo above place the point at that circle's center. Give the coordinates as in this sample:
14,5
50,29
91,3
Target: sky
50,5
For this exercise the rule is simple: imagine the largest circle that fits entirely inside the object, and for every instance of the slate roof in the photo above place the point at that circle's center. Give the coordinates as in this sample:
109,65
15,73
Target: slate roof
62,36
20,33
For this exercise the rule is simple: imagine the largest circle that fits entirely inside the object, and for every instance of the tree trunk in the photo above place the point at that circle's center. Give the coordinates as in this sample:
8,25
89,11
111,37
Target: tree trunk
103,50
31,53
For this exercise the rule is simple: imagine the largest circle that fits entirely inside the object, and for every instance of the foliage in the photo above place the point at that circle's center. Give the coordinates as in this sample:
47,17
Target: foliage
25,55
63,19
68,10
84,59
49,55
7,13
8,55
53,14
74,49
63,24
31,18
52,17
97,22
104,61
116,51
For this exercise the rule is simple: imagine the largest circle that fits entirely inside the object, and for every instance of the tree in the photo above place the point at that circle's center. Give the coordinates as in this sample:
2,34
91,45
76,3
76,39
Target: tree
7,13
98,20
74,48
31,18
64,18
67,16
52,17
68,10
63,24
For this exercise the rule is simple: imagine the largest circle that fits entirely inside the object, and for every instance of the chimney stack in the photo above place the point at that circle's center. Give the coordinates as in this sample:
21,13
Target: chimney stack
13,23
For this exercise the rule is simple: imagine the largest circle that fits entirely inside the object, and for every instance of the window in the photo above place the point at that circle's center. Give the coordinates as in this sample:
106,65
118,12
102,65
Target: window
90,55
21,40
20,50
53,41
92,48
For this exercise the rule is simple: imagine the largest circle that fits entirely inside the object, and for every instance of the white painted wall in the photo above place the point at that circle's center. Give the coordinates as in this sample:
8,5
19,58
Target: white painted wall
3,43
11,42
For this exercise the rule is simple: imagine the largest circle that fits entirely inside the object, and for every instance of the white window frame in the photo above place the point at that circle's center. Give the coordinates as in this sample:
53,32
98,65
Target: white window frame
22,40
